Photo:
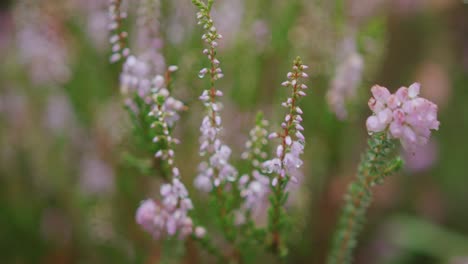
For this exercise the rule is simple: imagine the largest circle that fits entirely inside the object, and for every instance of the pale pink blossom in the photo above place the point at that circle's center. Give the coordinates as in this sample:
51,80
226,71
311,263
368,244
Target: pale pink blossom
403,115
170,216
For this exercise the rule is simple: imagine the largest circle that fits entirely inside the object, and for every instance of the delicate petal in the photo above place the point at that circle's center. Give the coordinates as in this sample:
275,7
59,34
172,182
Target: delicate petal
413,90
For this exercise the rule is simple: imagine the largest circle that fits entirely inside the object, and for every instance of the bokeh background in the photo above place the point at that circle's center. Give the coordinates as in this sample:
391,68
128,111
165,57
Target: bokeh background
68,193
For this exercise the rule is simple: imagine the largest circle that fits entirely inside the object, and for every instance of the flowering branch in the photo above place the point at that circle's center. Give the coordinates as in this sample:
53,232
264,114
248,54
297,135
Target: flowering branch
216,171
169,217
288,153
404,116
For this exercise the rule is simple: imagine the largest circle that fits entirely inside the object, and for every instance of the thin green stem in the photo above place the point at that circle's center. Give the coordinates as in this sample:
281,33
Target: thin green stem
378,162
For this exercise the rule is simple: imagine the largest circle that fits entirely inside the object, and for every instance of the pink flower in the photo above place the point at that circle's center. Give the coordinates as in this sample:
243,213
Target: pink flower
145,213
404,115
170,216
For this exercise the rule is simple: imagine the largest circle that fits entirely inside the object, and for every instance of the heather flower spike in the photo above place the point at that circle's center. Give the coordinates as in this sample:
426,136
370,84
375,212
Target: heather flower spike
171,215
287,161
402,116
215,172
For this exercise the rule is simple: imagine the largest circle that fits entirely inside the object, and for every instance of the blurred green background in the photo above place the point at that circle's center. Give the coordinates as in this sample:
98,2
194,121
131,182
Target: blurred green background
68,196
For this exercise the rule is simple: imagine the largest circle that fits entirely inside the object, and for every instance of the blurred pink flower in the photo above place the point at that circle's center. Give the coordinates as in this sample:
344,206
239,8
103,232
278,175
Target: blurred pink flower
42,46
97,177
59,114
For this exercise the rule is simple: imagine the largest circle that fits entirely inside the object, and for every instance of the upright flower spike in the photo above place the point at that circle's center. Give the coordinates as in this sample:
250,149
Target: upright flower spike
170,216
118,36
287,161
216,170
403,116
215,173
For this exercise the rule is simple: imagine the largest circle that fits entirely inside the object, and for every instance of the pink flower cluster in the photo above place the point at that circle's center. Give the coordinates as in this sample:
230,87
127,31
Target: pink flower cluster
169,217
404,115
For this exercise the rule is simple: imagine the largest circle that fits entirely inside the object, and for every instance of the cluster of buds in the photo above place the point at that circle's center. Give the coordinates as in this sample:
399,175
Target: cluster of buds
118,36
403,115
136,78
170,216
287,160
211,38
166,112
217,169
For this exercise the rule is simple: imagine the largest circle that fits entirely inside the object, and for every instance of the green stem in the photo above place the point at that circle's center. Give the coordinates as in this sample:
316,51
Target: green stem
378,162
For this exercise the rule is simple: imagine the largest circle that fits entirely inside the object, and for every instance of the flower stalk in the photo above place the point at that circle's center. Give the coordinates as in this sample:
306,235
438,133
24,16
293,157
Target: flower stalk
403,116
288,153
215,172
379,161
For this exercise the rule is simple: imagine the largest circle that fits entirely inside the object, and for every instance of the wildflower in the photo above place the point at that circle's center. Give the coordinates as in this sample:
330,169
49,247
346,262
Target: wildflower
403,115
218,169
169,217
287,159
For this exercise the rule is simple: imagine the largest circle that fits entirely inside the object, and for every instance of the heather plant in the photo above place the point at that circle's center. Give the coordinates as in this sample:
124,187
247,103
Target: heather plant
239,195
183,131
